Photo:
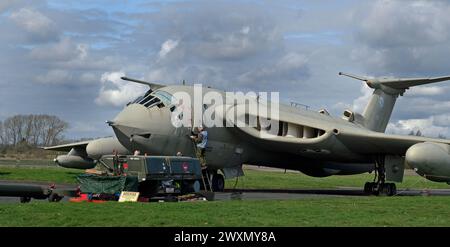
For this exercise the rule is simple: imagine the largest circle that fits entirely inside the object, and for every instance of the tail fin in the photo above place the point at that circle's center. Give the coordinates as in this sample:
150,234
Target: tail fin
379,109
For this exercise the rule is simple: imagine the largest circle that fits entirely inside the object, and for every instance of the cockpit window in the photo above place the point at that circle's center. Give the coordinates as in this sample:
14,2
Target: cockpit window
140,98
165,97
156,98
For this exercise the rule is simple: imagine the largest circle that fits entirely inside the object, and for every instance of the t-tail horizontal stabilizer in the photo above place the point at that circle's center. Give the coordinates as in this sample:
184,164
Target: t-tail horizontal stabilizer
153,86
378,111
394,84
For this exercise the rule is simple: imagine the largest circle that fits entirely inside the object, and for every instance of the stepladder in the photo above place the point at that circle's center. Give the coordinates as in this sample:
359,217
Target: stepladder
206,179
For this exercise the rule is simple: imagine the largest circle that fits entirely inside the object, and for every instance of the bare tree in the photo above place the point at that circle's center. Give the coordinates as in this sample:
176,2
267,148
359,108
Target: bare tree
28,130
33,129
54,127
2,134
38,130
14,129
419,133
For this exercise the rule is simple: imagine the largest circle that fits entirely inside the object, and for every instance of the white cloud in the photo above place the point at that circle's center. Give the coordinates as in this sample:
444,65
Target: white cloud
430,127
424,106
426,91
39,26
117,92
292,60
88,77
82,50
239,45
6,4
64,50
32,20
340,107
361,102
245,30
54,77
292,66
442,120
167,47
398,22
83,127
407,37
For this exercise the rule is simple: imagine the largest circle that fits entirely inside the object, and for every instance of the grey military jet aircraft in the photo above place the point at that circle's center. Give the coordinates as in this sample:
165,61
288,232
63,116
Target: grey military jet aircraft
314,143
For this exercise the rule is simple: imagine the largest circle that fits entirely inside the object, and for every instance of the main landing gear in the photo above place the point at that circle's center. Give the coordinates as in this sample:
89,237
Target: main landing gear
379,185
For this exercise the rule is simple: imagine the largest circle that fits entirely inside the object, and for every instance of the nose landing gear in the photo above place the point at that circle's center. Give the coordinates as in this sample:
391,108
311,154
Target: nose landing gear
379,185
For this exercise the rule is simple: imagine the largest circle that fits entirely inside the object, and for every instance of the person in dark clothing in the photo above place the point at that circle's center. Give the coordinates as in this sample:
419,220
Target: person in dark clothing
116,170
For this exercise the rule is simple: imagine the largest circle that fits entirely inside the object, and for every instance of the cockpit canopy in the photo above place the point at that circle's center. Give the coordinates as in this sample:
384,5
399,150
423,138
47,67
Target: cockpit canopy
154,98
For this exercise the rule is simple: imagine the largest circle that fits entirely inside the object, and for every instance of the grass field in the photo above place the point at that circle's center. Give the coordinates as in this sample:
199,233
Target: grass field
254,179
321,211
39,174
279,180
349,211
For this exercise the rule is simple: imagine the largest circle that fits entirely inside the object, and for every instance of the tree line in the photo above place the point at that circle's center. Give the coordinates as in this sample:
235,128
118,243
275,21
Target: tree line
35,130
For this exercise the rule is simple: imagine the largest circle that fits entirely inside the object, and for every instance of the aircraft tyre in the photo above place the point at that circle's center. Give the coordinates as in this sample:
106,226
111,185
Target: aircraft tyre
54,197
380,187
368,188
25,199
218,182
372,188
390,189
394,189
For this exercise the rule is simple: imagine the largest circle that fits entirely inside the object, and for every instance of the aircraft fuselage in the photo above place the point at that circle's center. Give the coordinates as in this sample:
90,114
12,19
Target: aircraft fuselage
150,130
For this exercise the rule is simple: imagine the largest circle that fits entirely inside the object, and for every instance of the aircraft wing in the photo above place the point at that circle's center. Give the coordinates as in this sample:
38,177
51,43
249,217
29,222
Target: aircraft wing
358,142
376,143
67,147
325,137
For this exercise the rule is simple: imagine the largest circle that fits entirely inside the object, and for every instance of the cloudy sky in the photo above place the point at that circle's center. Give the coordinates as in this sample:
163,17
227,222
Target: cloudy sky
65,58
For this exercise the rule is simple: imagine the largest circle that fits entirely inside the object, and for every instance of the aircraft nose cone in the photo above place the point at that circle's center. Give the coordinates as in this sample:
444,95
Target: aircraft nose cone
133,115
132,120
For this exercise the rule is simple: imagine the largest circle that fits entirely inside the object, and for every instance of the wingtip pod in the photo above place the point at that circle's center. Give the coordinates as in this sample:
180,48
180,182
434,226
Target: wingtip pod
430,160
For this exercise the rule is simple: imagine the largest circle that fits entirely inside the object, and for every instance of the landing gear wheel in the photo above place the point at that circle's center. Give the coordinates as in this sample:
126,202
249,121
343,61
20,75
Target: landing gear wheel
376,191
54,197
218,182
386,189
379,186
394,189
391,189
369,187
25,199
